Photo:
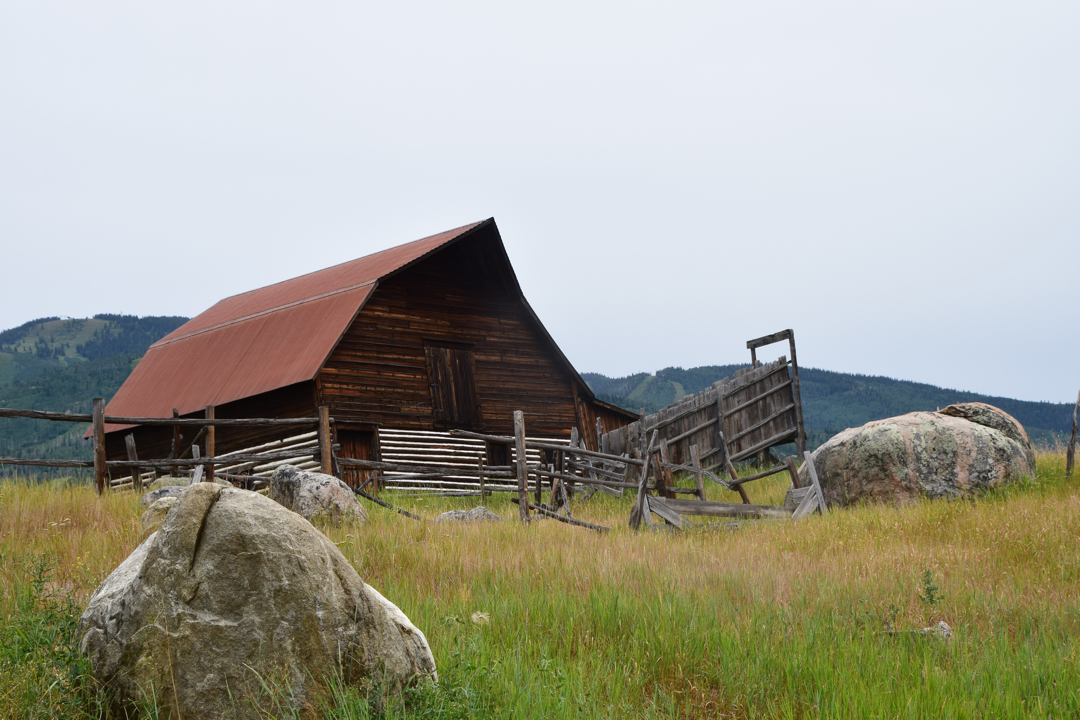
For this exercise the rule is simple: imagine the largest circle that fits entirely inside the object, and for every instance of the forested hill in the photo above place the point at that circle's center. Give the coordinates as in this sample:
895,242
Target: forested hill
61,364
832,401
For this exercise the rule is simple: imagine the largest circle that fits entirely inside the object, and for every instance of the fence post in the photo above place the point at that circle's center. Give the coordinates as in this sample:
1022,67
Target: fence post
211,450
1071,455
175,454
325,462
522,470
133,455
100,469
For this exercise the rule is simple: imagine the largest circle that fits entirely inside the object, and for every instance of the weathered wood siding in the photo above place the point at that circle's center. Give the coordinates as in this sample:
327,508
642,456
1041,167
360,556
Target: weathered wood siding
379,371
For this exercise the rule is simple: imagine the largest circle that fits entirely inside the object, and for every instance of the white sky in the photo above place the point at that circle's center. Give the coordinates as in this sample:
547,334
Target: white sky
897,181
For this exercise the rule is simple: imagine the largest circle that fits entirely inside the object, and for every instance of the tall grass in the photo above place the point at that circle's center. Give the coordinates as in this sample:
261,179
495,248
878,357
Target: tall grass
762,620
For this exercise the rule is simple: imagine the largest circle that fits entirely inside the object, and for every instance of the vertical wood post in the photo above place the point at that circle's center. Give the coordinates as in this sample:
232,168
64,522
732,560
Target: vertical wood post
522,470
1070,456
100,469
663,474
695,459
325,459
175,443
793,471
795,391
136,474
211,440
480,471
641,507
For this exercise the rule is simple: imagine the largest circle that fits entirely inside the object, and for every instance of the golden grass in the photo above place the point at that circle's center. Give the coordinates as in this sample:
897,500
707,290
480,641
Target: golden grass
771,619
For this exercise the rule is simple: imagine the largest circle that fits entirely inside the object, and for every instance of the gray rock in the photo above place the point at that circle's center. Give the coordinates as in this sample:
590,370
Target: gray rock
477,514
155,514
315,496
235,593
941,631
153,496
957,452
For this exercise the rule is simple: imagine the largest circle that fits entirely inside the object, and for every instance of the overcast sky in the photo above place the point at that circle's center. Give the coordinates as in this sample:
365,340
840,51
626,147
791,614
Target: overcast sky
897,181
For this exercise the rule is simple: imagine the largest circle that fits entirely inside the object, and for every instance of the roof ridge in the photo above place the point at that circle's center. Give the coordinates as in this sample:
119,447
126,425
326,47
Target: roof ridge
234,321
346,262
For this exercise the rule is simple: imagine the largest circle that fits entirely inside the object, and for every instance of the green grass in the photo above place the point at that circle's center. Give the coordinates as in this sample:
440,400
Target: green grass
769,620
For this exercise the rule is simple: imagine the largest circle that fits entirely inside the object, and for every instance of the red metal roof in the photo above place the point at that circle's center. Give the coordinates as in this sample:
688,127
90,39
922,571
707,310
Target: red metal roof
259,340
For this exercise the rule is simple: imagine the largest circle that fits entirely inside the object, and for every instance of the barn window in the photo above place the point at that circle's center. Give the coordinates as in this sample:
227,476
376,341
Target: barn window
451,375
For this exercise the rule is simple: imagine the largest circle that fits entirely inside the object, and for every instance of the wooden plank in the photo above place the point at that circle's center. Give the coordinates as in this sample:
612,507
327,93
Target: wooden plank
224,460
211,444
29,462
405,467
583,480
712,508
695,460
175,471
762,423
742,406
692,431
639,510
1070,455
758,476
568,520
668,514
796,395
768,339
663,476
129,445
100,468
793,471
541,445
808,504
765,444
814,481
480,475
197,476
522,472
326,464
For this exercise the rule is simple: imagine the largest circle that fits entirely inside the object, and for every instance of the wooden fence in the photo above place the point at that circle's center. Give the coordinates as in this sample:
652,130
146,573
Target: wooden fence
316,446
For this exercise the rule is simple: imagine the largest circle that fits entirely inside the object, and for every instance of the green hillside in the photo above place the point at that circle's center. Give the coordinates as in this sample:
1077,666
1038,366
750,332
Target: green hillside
54,364
832,401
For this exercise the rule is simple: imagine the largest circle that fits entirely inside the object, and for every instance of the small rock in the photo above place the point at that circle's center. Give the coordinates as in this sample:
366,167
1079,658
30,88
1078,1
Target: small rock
155,514
941,631
477,514
315,496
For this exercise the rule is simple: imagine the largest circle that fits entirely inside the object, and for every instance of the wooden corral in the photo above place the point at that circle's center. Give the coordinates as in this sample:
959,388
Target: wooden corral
402,347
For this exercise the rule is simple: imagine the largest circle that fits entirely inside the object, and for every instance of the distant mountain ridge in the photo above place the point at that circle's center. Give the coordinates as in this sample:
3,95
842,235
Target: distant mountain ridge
832,401
61,364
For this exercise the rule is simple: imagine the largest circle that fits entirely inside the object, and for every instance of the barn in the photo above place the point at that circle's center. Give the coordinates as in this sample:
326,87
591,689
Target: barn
402,346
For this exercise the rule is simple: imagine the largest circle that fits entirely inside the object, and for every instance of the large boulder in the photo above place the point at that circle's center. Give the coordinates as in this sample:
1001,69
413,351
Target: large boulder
236,596
315,496
958,451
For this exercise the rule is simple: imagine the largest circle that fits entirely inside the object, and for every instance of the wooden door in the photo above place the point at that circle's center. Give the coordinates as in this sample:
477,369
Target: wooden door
452,378
358,445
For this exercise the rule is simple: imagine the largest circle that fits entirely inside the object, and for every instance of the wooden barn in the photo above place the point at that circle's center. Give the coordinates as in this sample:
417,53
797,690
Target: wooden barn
402,346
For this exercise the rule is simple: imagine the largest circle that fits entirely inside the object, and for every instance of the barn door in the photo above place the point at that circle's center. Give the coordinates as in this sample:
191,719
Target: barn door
451,376
358,445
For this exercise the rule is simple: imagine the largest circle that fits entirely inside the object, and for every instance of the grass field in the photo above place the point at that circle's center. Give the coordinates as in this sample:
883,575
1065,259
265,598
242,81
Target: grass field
767,620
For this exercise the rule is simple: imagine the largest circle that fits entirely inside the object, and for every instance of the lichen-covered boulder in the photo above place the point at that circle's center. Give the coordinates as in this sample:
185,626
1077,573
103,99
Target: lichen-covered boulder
316,496
235,597
959,451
